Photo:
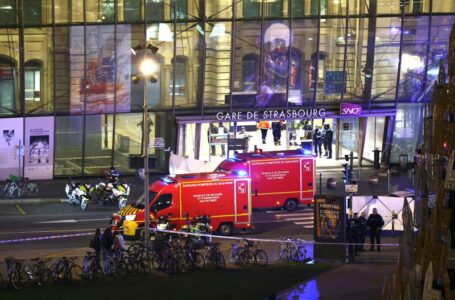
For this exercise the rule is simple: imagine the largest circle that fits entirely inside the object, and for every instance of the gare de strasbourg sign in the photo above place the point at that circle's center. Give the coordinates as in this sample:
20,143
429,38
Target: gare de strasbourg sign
346,110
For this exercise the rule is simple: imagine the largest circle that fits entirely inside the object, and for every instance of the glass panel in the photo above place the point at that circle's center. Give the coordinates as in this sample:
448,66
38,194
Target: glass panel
128,139
274,9
444,6
66,63
99,81
374,136
180,10
247,55
68,146
300,8
416,6
389,6
357,40
248,9
218,8
349,136
439,49
68,11
129,10
155,9
213,138
98,145
359,7
9,91
32,12
413,58
217,63
304,46
100,11
38,63
331,58
122,65
408,131
8,12
386,55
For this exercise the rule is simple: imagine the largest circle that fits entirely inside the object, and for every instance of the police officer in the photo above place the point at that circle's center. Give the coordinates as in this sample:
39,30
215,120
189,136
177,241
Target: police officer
353,235
362,230
375,223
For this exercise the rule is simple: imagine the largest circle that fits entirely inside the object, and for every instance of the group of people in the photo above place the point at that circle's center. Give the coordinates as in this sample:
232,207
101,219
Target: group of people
357,229
276,127
324,138
107,244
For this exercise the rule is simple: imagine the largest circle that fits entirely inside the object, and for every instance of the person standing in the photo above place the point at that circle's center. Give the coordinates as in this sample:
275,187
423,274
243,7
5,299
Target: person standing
317,142
95,243
119,244
375,223
107,241
276,131
328,140
264,126
362,229
222,137
324,140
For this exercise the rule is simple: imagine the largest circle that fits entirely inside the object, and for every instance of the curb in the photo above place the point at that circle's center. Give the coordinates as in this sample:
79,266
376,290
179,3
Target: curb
31,201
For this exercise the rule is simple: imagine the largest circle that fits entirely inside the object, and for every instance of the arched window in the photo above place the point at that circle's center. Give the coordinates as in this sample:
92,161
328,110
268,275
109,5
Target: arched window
7,79
32,87
250,64
180,76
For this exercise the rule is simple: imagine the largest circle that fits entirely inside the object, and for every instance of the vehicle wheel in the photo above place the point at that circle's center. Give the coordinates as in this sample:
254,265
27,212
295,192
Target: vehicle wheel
225,229
291,205
120,270
84,204
261,258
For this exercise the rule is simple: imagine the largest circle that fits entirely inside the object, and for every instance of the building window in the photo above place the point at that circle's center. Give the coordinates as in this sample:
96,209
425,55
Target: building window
250,9
319,66
108,9
180,76
32,71
298,8
181,9
32,11
8,12
155,10
315,5
7,79
132,10
250,63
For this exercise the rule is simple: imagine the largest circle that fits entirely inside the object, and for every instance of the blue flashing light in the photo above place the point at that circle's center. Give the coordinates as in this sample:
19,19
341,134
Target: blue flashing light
167,179
305,152
240,172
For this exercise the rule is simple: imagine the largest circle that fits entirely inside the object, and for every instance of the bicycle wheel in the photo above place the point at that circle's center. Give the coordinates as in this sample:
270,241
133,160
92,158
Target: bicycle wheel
246,258
170,264
75,274
18,279
156,261
261,258
120,270
199,261
31,190
182,265
45,278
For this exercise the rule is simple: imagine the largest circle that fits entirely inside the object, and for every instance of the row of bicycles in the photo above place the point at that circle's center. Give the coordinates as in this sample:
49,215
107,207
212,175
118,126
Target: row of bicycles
167,254
18,187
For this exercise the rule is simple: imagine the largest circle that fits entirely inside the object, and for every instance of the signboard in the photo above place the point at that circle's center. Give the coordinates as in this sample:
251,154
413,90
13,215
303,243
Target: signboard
329,227
334,82
271,114
236,144
351,188
157,143
39,147
350,110
12,131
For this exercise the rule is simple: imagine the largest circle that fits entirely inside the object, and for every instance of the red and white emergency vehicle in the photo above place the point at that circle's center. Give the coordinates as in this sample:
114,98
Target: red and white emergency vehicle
279,179
226,198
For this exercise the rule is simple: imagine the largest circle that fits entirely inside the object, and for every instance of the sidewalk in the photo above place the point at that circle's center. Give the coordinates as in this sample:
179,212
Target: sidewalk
361,279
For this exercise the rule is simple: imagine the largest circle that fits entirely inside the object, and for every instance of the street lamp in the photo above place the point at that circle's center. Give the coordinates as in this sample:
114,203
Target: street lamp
148,69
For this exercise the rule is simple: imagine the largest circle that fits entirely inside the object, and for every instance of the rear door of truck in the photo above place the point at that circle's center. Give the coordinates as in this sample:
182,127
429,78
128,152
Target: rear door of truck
307,184
242,201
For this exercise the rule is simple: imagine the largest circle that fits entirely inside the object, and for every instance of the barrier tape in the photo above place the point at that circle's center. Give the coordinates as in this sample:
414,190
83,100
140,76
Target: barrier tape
42,238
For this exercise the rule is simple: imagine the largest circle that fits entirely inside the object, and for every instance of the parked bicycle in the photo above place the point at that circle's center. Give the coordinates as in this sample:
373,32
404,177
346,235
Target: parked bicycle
42,276
91,266
248,255
66,270
213,257
19,275
292,250
17,187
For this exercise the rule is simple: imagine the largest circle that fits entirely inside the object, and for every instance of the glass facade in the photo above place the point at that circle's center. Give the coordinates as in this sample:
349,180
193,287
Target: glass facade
72,60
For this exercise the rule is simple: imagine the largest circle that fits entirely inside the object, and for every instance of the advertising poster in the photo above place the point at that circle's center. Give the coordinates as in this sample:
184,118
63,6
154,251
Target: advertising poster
12,131
329,227
39,147
106,75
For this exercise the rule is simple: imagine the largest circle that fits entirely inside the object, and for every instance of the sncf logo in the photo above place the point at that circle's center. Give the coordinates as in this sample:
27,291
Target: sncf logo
351,111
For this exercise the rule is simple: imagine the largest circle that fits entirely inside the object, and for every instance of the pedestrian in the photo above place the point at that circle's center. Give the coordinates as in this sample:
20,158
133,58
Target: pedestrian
276,131
375,223
264,126
362,229
317,142
119,244
107,241
352,231
217,135
357,234
328,140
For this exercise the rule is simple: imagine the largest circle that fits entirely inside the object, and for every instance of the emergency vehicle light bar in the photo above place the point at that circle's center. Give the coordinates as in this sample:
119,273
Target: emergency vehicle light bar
167,179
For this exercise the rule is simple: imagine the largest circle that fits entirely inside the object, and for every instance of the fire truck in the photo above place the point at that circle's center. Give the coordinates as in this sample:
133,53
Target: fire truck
226,198
279,179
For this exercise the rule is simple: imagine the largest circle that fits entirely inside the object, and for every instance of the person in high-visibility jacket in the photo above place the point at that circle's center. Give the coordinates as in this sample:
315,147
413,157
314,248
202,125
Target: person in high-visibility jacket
264,126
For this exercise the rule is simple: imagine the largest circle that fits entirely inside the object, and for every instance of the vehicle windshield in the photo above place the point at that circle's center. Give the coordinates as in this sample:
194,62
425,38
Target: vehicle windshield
140,203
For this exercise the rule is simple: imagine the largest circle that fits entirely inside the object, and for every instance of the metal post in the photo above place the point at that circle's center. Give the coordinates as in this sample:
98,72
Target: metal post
145,132
19,152
388,180
320,183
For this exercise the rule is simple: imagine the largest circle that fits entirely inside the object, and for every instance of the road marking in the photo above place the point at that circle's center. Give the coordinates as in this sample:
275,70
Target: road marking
20,209
309,213
304,223
297,219
63,253
72,221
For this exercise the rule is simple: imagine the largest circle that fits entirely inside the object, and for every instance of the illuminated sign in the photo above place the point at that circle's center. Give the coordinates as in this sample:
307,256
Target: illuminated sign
271,114
350,110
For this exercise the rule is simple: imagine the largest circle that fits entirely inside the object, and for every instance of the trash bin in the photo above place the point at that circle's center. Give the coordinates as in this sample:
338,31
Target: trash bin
403,158
376,158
